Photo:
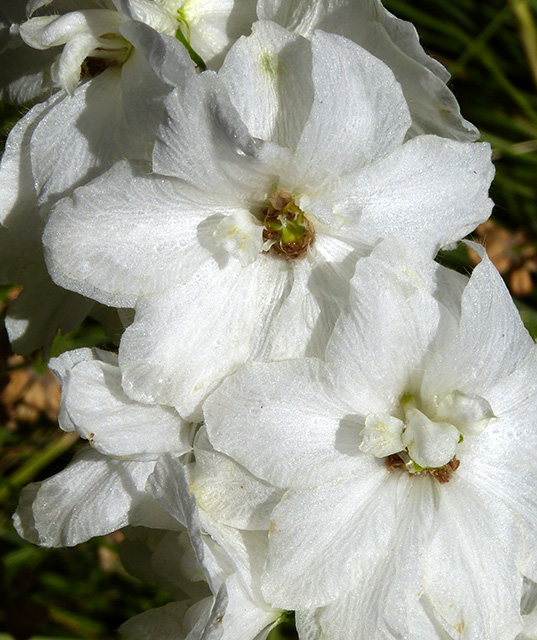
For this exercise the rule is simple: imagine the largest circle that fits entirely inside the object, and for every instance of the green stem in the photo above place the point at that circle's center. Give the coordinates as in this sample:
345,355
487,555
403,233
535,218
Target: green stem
196,59
37,462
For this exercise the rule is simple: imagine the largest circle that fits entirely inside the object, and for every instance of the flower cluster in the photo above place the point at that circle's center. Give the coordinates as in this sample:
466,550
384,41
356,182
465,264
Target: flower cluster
306,412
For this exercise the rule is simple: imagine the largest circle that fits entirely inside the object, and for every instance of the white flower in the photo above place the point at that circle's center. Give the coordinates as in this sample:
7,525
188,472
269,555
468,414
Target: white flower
267,184
71,44
64,142
109,63
430,537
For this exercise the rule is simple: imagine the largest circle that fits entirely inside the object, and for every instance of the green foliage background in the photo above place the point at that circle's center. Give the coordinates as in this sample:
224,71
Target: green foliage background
490,48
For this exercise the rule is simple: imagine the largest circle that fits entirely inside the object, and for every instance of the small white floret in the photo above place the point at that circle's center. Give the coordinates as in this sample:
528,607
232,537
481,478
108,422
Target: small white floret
429,444
241,236
469,412
382,435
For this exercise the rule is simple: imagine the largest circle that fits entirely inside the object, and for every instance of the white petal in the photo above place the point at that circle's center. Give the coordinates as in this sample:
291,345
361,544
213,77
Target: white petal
243,619
216,25
227,492
17,191
166,56
470,413
268,76
27,79
114,424
93,496
284,422
358,113
184,342
501,461
491,344
298,324
124,234
164,558
381,435
40,311
166,622
432,105
48,31
79,32
66,70
86,133
301,16
385,603
382,340
205,143
219,550
395,42
157,16
430,202
472,579
241,235
323,540
430,444
62,367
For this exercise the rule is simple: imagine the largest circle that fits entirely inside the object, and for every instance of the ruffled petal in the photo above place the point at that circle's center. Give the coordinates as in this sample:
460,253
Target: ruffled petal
183,342
93,496
227,492
322,541
115,425
125,234
358,114
472,581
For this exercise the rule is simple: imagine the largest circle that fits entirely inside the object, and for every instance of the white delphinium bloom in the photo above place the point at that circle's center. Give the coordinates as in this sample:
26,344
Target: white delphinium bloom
267,183
64,43
103,489
90,51
423,79
67,141
408,459
226,511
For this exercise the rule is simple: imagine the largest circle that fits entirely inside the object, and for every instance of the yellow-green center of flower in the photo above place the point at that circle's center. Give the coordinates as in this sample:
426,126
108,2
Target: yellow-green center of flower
426,444
287,232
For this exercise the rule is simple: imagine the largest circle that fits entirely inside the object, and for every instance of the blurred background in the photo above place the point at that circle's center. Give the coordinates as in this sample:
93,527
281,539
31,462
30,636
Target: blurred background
490,48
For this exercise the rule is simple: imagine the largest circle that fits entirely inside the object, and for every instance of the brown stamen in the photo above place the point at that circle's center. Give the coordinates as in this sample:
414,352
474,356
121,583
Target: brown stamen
287,228
441,474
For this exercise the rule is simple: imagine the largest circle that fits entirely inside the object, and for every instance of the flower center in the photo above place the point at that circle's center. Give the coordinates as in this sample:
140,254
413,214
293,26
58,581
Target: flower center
287,230
423,445
113,51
